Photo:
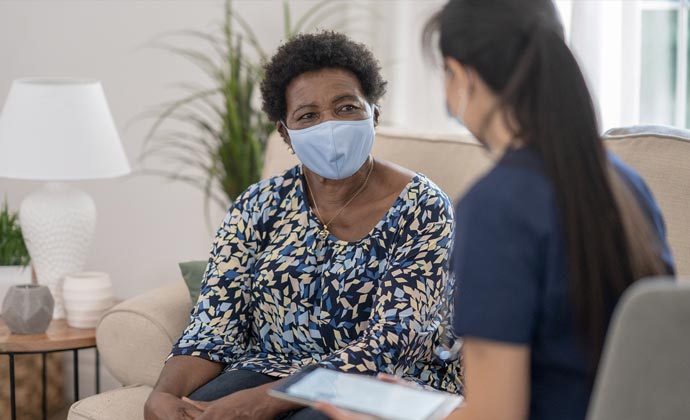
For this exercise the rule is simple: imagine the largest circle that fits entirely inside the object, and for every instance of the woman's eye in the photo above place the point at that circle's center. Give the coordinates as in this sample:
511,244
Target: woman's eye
307,116
348,108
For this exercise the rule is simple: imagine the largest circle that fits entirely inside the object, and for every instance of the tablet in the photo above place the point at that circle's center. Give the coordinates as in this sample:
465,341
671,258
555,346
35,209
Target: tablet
366,394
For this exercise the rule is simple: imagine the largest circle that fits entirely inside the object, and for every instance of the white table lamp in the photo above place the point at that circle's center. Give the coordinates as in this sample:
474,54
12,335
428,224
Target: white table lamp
58,130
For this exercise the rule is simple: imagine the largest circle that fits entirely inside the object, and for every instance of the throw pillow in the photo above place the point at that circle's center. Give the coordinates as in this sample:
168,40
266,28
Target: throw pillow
193,273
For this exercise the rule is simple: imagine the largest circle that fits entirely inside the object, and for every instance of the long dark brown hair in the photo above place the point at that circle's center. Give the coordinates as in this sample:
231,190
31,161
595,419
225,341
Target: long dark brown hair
518,49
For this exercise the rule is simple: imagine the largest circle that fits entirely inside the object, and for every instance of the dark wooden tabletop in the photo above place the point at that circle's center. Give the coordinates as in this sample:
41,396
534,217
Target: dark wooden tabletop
59,336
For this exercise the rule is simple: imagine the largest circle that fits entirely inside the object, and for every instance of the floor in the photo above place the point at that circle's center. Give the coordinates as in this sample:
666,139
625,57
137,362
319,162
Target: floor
62,415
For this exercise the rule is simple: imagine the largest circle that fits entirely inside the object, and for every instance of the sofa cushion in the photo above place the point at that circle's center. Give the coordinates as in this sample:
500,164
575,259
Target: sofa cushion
136,336
662,156
119,404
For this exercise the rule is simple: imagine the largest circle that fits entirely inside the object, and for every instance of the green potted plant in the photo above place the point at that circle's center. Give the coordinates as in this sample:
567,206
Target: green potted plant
14,257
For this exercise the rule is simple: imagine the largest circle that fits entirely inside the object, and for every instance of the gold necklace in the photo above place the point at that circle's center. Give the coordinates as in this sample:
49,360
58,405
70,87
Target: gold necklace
324,232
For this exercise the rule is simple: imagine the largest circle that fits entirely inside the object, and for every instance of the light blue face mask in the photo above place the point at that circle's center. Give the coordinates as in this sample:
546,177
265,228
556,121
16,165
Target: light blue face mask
334,149
463,99
462,106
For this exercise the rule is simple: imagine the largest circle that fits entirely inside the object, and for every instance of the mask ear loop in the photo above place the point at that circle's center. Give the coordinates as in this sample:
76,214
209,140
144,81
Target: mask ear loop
289,148
374,108
464,98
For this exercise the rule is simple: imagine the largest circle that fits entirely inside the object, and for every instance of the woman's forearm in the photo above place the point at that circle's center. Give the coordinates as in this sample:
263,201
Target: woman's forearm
183,375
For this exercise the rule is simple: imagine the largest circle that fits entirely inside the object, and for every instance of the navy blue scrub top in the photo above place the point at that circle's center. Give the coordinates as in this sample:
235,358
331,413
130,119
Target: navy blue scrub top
510,266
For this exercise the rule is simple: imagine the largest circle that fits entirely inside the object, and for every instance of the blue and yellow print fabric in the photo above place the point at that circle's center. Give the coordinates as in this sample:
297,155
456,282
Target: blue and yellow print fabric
276,298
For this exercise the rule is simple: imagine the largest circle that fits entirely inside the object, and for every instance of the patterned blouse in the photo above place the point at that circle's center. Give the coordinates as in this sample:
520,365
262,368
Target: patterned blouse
276,297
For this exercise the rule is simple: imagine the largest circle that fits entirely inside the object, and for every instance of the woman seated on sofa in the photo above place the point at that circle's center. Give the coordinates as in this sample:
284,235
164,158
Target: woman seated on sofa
340,261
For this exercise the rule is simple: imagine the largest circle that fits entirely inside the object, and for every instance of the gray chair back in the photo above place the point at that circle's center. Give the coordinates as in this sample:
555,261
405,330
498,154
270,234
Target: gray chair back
645,367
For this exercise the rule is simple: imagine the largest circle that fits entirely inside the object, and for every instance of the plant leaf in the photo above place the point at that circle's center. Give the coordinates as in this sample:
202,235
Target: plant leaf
170,109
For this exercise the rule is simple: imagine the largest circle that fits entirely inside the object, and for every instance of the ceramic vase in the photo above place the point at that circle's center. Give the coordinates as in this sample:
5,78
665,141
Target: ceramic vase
87,295
58,223
28,308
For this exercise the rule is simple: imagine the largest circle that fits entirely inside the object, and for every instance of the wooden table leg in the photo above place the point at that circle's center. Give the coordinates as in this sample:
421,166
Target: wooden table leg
13,403
44,375
98,373
76,374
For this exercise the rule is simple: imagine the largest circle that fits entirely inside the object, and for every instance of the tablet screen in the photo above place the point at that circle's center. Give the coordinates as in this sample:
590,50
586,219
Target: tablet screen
368,395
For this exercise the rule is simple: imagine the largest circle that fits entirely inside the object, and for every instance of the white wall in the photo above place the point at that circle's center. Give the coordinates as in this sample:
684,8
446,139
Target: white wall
605,37
415,99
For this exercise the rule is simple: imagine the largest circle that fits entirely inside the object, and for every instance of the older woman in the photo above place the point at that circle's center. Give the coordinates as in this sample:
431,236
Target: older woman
340,261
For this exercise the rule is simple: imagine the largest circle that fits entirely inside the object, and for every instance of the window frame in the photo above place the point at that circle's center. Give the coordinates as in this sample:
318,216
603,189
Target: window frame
681,83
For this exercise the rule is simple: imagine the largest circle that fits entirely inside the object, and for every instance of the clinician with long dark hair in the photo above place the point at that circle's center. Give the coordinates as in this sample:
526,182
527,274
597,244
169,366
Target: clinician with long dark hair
549,239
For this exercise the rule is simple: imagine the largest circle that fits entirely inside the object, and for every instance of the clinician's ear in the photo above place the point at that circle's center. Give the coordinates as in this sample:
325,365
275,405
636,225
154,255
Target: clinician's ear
459,74
377,114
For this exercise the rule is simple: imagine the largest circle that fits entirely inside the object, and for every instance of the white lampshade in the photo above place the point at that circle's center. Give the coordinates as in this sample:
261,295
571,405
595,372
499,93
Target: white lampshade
59,129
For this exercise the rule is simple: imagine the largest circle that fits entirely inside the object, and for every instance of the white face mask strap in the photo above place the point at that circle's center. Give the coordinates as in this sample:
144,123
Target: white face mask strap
373,108
464,99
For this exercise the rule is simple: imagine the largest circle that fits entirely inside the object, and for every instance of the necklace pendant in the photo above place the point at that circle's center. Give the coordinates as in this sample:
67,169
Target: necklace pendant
323,234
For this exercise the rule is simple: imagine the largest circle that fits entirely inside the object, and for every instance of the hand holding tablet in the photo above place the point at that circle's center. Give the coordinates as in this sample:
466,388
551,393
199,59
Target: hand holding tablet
366,395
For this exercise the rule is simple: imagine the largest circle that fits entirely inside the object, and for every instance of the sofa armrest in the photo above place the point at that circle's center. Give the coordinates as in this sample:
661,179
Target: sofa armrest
135,336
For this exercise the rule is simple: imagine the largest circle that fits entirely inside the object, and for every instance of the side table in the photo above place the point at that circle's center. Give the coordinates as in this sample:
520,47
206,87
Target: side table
58,338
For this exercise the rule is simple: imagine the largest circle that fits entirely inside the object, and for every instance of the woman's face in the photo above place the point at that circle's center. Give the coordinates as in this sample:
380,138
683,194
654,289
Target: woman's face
328,94
471,101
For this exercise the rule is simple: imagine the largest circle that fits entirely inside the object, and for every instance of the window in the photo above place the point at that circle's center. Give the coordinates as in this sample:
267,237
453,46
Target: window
664,62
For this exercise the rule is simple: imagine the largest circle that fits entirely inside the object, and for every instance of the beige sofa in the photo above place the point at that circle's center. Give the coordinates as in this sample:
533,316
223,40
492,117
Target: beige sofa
135,337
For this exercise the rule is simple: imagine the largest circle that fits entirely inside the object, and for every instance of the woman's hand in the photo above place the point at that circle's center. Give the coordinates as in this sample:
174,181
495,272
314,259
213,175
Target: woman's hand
165,406
180,376
384,377
248,404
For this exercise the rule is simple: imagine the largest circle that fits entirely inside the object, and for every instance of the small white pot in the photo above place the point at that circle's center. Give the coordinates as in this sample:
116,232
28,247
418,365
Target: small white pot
11,275
80,305
87,295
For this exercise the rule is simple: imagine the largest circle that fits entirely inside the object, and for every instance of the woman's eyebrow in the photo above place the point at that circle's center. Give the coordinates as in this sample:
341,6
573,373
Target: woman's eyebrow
312,105
347,96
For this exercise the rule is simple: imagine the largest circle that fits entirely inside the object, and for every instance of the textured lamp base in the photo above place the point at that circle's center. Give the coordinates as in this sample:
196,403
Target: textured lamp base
58,223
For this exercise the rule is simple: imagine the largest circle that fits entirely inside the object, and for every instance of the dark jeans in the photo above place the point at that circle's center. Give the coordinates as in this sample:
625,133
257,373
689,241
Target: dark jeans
236,380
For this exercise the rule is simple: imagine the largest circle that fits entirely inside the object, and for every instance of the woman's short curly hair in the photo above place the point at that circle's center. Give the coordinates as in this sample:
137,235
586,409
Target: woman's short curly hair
310,52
